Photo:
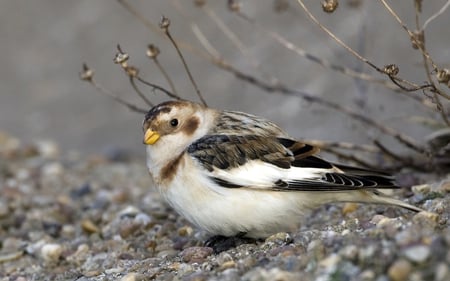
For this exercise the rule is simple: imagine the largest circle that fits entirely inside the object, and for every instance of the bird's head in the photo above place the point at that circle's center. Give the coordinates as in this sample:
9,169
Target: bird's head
172,126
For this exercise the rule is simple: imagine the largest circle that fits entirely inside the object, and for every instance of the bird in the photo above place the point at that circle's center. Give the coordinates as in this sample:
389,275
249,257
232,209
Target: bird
235,174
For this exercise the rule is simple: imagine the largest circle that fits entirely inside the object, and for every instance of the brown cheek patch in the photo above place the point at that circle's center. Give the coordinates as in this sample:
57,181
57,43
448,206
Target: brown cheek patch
168,172
191,126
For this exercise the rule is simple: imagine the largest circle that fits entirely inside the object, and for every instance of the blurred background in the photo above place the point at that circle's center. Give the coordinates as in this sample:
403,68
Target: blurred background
44,43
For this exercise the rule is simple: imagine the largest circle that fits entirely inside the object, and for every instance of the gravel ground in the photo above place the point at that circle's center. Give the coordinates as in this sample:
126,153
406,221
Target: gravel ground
63,217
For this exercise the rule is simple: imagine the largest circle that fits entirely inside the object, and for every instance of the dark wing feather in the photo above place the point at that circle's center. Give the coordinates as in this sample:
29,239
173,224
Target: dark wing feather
228,152
233,151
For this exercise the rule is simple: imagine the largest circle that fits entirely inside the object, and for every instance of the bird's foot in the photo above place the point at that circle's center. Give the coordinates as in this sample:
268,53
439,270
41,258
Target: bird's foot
221,243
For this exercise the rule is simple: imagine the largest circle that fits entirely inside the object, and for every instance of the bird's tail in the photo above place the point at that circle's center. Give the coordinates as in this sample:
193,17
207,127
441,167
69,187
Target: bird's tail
381,198
372,196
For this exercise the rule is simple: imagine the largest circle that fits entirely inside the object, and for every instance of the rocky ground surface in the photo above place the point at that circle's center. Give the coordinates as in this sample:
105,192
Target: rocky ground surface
98,218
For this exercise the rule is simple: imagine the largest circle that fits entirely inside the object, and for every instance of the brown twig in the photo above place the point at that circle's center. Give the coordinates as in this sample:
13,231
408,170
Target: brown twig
394,79
301,52
165,91
435,99
164,25
152,53
87,75
132,72
406,161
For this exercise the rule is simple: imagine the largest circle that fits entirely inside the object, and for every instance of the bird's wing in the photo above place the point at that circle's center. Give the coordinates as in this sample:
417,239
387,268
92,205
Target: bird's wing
272,163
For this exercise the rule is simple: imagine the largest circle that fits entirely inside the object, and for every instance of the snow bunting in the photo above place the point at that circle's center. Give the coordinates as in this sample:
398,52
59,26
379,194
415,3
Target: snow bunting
232,173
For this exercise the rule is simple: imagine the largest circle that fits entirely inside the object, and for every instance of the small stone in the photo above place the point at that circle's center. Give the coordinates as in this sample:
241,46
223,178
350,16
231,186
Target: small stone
426,219
279,238
4,210
51,252
444,186
185,231
399,270
349,208
350,252
129,277
330,262
366,275
418,253
52,228
114,270
89,227
142,219
128,228
226,265
53,169
442,272
196,254
80,254
7,257
422,188
129,211
258,274
81,191
196,276
48,149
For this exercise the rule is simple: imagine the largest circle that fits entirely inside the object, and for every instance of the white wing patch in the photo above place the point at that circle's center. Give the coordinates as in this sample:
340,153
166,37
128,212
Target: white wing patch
260,174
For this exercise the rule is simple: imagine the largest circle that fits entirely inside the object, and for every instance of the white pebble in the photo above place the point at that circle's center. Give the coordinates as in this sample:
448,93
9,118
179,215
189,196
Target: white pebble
417,253
51,252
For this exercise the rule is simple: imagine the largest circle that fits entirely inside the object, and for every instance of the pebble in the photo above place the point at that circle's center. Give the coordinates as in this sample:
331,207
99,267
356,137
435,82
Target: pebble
47,149
51,252
417,253
422,188
428,219
259,274
400,270
129,211
349,252
445,186
130,277
349,208
52,170
6,257
227,265
4,210
142,219
195,254
279,238
442,272
88,226
330,262
185,231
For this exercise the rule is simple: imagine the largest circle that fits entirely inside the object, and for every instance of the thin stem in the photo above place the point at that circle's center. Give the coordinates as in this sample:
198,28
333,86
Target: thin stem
140,94
191,78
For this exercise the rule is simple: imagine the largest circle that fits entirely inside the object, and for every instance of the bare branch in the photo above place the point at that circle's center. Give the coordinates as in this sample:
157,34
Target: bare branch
436,15
88,75
164,25
152,53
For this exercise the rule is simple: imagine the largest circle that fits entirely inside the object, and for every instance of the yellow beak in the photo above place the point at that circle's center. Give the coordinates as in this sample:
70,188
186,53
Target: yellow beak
150,137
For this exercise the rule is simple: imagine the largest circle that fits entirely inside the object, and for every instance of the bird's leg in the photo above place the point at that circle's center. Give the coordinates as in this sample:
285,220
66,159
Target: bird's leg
221,243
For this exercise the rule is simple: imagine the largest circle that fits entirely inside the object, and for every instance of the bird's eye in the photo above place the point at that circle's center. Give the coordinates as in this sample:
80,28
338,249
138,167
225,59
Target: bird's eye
174,122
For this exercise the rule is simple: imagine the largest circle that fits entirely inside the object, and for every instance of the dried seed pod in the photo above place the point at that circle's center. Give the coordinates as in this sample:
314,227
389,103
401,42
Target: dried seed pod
164,23
443,75
234,5
329,6
152,51
86,74
391,69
